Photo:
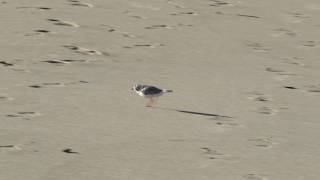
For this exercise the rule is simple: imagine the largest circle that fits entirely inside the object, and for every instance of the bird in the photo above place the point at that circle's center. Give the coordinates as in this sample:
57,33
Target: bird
150,92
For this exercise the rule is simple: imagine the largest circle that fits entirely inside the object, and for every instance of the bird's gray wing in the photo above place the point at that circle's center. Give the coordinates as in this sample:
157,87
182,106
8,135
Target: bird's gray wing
151,90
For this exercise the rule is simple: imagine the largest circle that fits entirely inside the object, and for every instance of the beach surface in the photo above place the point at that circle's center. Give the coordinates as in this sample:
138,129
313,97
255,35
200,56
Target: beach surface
245,76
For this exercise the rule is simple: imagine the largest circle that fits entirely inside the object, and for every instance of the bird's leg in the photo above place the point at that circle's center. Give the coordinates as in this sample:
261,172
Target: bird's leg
148,103
151,102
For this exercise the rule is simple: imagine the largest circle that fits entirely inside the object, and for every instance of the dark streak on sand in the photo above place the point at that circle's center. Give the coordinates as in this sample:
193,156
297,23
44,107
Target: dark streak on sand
55,62
41,8
42,31
6,146
290,87
217,3
273,70
4,63
82,81
73,60
143,45
157,26
26,112
70,151
202,114
249,16
195,113
35,86
44,8
13,115
53,20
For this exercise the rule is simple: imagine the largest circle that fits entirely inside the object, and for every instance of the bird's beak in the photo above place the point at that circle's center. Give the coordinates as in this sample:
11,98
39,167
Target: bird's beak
131,89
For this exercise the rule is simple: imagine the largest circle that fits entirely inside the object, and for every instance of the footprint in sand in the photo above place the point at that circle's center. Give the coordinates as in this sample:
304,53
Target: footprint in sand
267,110
296,17
290,87
57,62
30,7
41,31
265,99
294,61
12,65
144,46
184,25
282,75
70,151
260,97
300,15
65,61
44,8
183,13
134,15
210,153
163,26
313,88
66,23
9,147
240,15
5,63
128,35
57,84
218,3
38,32
85,51
63,23
248,16
258,47
113,29
283,32
254,177
24,114
309,44
5,97
270,69
265,142
224,121
159,26
42,85
80,4
109,28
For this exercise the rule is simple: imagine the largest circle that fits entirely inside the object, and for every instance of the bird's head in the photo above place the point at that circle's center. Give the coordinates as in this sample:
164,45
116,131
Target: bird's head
137,87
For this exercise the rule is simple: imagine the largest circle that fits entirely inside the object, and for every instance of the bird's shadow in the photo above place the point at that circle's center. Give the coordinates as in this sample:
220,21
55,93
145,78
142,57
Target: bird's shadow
215,116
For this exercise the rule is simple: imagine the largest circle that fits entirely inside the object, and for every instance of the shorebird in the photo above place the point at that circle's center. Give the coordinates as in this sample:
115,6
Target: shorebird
150,92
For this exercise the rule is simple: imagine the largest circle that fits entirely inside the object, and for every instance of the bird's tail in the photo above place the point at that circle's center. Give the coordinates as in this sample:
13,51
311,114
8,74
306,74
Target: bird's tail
167,91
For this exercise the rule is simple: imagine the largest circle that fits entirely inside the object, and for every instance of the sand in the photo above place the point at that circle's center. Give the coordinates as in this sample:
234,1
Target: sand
245,76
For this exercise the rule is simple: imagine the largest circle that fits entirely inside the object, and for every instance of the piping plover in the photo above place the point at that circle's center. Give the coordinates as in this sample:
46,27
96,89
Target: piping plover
150,92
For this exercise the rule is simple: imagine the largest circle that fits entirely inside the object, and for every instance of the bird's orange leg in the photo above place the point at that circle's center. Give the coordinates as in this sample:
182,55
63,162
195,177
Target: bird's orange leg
151,102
